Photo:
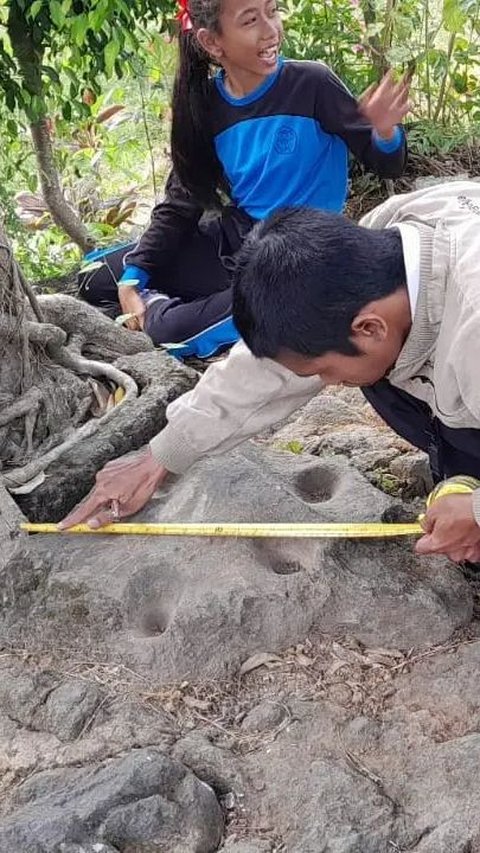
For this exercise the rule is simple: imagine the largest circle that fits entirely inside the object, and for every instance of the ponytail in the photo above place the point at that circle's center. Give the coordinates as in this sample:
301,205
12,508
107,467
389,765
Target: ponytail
194,157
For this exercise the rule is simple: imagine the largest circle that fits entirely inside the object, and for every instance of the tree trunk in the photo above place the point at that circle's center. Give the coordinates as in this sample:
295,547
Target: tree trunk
62,213
29,57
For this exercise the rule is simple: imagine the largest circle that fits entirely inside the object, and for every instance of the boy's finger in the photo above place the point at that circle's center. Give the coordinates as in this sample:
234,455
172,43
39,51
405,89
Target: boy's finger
426,545
86,509
101,519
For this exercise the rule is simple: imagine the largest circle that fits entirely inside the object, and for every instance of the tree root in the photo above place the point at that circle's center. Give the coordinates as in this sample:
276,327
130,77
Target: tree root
43,334
29,402
27,289
79,364
101,336
52,409
20,476
72,361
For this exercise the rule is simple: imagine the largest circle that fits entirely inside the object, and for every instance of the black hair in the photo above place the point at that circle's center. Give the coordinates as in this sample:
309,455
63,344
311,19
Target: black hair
302,276
193,151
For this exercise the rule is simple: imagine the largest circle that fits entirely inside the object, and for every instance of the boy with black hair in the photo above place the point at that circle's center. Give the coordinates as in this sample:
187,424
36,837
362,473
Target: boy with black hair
391,305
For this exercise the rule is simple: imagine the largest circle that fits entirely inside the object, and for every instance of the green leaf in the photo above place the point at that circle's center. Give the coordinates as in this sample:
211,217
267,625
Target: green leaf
454,18
35,9
110,53
78,29
10,99
50,72
56,13
67,111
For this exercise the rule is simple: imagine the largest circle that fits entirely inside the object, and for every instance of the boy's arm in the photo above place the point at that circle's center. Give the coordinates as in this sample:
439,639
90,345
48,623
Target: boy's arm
234,400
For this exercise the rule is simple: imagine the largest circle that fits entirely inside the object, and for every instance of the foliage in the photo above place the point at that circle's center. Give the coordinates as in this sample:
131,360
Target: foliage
360,38
96,56
51,50
332,31
105,164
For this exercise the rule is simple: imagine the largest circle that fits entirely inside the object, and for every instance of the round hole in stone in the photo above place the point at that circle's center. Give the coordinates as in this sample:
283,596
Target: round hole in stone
317,484
154,621
285,556
286,567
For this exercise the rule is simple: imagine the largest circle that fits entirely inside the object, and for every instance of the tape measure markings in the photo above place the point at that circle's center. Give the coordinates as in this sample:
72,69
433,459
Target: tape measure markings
359,530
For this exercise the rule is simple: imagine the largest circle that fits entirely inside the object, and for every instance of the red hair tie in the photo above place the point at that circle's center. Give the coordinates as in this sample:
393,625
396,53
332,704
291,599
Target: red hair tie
184,16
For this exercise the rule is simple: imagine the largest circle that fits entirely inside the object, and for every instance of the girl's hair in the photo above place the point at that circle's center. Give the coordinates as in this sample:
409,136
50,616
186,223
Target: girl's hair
194,157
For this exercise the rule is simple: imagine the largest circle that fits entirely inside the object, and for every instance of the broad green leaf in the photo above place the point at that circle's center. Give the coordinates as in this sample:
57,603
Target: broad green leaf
454,18
35,9
78,29
110,53
56,13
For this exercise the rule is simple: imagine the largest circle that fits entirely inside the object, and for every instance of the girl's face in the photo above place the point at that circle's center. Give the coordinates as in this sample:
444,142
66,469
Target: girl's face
248,42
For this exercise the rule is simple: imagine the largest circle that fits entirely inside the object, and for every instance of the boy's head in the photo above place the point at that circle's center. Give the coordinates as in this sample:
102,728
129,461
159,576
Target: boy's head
322,295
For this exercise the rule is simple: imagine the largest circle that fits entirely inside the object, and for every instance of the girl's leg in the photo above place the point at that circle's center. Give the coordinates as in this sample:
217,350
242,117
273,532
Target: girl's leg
201,327
188,301
97,285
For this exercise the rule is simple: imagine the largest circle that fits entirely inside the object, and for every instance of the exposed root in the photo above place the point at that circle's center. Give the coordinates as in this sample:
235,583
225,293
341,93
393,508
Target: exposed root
102,337
89,367
45,367
29,402
25,286
20,476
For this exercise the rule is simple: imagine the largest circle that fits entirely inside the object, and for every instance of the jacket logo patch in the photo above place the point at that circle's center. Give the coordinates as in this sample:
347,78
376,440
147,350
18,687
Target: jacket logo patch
285,141
467,203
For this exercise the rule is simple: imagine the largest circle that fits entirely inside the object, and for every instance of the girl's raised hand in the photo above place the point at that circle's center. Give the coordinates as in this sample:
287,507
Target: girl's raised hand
386,105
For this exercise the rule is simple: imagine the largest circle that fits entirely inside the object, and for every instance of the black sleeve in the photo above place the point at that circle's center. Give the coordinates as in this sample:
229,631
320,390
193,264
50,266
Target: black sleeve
338,113
172,219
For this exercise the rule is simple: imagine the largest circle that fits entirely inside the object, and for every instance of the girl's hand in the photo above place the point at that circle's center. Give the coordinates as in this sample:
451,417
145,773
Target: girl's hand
132,303
385,105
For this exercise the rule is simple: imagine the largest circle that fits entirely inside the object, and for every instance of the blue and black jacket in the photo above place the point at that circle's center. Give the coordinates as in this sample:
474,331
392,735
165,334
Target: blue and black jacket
286,144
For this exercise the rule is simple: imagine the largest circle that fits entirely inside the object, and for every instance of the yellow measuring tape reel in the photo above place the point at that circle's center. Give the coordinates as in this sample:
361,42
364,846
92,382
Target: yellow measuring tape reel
315,530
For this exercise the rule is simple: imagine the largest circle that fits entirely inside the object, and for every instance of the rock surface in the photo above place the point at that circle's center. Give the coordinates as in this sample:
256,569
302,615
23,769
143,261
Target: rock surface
251,696
144,800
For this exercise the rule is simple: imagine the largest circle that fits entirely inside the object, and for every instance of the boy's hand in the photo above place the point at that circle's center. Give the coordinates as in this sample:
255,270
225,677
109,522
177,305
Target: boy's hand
386,105
451,529
122,488
132,303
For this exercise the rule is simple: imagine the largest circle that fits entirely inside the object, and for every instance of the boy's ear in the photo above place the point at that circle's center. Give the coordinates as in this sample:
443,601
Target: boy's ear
208,40
369,328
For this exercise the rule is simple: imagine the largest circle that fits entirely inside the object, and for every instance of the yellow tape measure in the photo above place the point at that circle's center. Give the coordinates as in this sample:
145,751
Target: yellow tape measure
315,530
352,530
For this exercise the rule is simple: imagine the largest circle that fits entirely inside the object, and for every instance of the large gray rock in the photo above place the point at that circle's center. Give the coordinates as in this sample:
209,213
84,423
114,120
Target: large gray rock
214,765
341,422
37,701
351,728
331,783
145,801
181,608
